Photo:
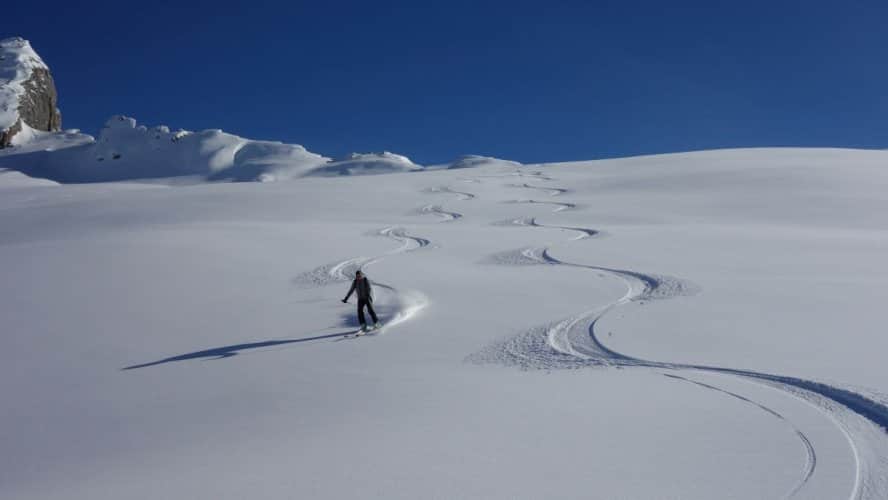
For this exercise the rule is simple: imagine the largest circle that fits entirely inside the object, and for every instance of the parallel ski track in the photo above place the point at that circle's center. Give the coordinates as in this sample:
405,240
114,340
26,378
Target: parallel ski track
811,455
574,343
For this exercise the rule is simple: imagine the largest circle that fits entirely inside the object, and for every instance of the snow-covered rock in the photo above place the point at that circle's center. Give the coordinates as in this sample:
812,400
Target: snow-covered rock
28,97
125,150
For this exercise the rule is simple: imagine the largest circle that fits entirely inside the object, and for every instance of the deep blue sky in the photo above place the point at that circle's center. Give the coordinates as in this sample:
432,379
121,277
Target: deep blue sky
530,81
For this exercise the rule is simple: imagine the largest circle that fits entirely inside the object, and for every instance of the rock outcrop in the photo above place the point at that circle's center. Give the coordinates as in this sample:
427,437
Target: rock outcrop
28,95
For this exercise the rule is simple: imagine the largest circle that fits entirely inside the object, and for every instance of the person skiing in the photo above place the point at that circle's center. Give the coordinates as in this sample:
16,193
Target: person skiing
361,285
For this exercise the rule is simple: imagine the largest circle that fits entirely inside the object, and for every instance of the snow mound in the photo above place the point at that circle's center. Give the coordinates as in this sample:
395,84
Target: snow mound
268,161
367,164
471,161
17,62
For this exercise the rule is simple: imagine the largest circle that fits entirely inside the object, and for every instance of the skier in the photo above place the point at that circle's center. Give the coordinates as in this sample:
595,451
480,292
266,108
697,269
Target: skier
362,286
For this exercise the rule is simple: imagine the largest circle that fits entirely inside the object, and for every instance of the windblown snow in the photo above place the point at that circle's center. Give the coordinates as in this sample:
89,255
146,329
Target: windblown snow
697,326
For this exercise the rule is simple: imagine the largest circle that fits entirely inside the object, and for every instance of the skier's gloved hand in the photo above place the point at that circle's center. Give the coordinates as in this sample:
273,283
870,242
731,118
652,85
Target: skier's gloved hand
344,301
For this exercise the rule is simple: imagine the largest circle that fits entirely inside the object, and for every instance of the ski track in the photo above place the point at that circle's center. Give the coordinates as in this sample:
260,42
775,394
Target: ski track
553,191
536,175
810,454
462,195
446,215
574,343
343,271
408,303
584,233
559,206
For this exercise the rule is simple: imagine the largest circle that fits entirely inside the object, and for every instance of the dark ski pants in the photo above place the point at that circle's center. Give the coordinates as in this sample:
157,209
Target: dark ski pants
361,304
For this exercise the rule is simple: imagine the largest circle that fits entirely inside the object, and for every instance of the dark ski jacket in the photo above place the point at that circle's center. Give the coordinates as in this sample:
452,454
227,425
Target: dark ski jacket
361,286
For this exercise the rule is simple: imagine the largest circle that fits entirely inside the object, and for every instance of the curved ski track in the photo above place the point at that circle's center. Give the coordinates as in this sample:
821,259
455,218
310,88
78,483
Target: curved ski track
462,195
811,455
553,191
536,175
408,303
532,222
559,206
574,343
446,215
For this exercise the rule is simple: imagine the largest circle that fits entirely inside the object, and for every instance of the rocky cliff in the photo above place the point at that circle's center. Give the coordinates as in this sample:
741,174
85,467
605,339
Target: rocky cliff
28,95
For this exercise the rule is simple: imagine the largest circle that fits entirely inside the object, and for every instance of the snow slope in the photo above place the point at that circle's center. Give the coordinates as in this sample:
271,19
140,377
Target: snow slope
701,325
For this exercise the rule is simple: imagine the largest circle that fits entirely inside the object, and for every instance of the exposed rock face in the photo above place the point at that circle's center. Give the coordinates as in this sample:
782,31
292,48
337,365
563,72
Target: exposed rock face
39,106
27,92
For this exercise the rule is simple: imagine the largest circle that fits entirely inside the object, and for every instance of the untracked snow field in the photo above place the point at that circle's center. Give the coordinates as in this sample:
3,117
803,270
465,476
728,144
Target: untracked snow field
691,326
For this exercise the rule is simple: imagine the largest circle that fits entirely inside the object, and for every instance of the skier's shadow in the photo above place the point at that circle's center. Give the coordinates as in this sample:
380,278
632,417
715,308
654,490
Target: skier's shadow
235,349
348,320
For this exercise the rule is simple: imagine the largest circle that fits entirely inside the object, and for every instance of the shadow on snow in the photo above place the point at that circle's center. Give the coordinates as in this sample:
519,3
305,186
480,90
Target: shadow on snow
235,349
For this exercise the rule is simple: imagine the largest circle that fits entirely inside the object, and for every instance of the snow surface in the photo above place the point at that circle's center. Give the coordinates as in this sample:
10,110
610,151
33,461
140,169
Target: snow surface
13,179
696,326
17,61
